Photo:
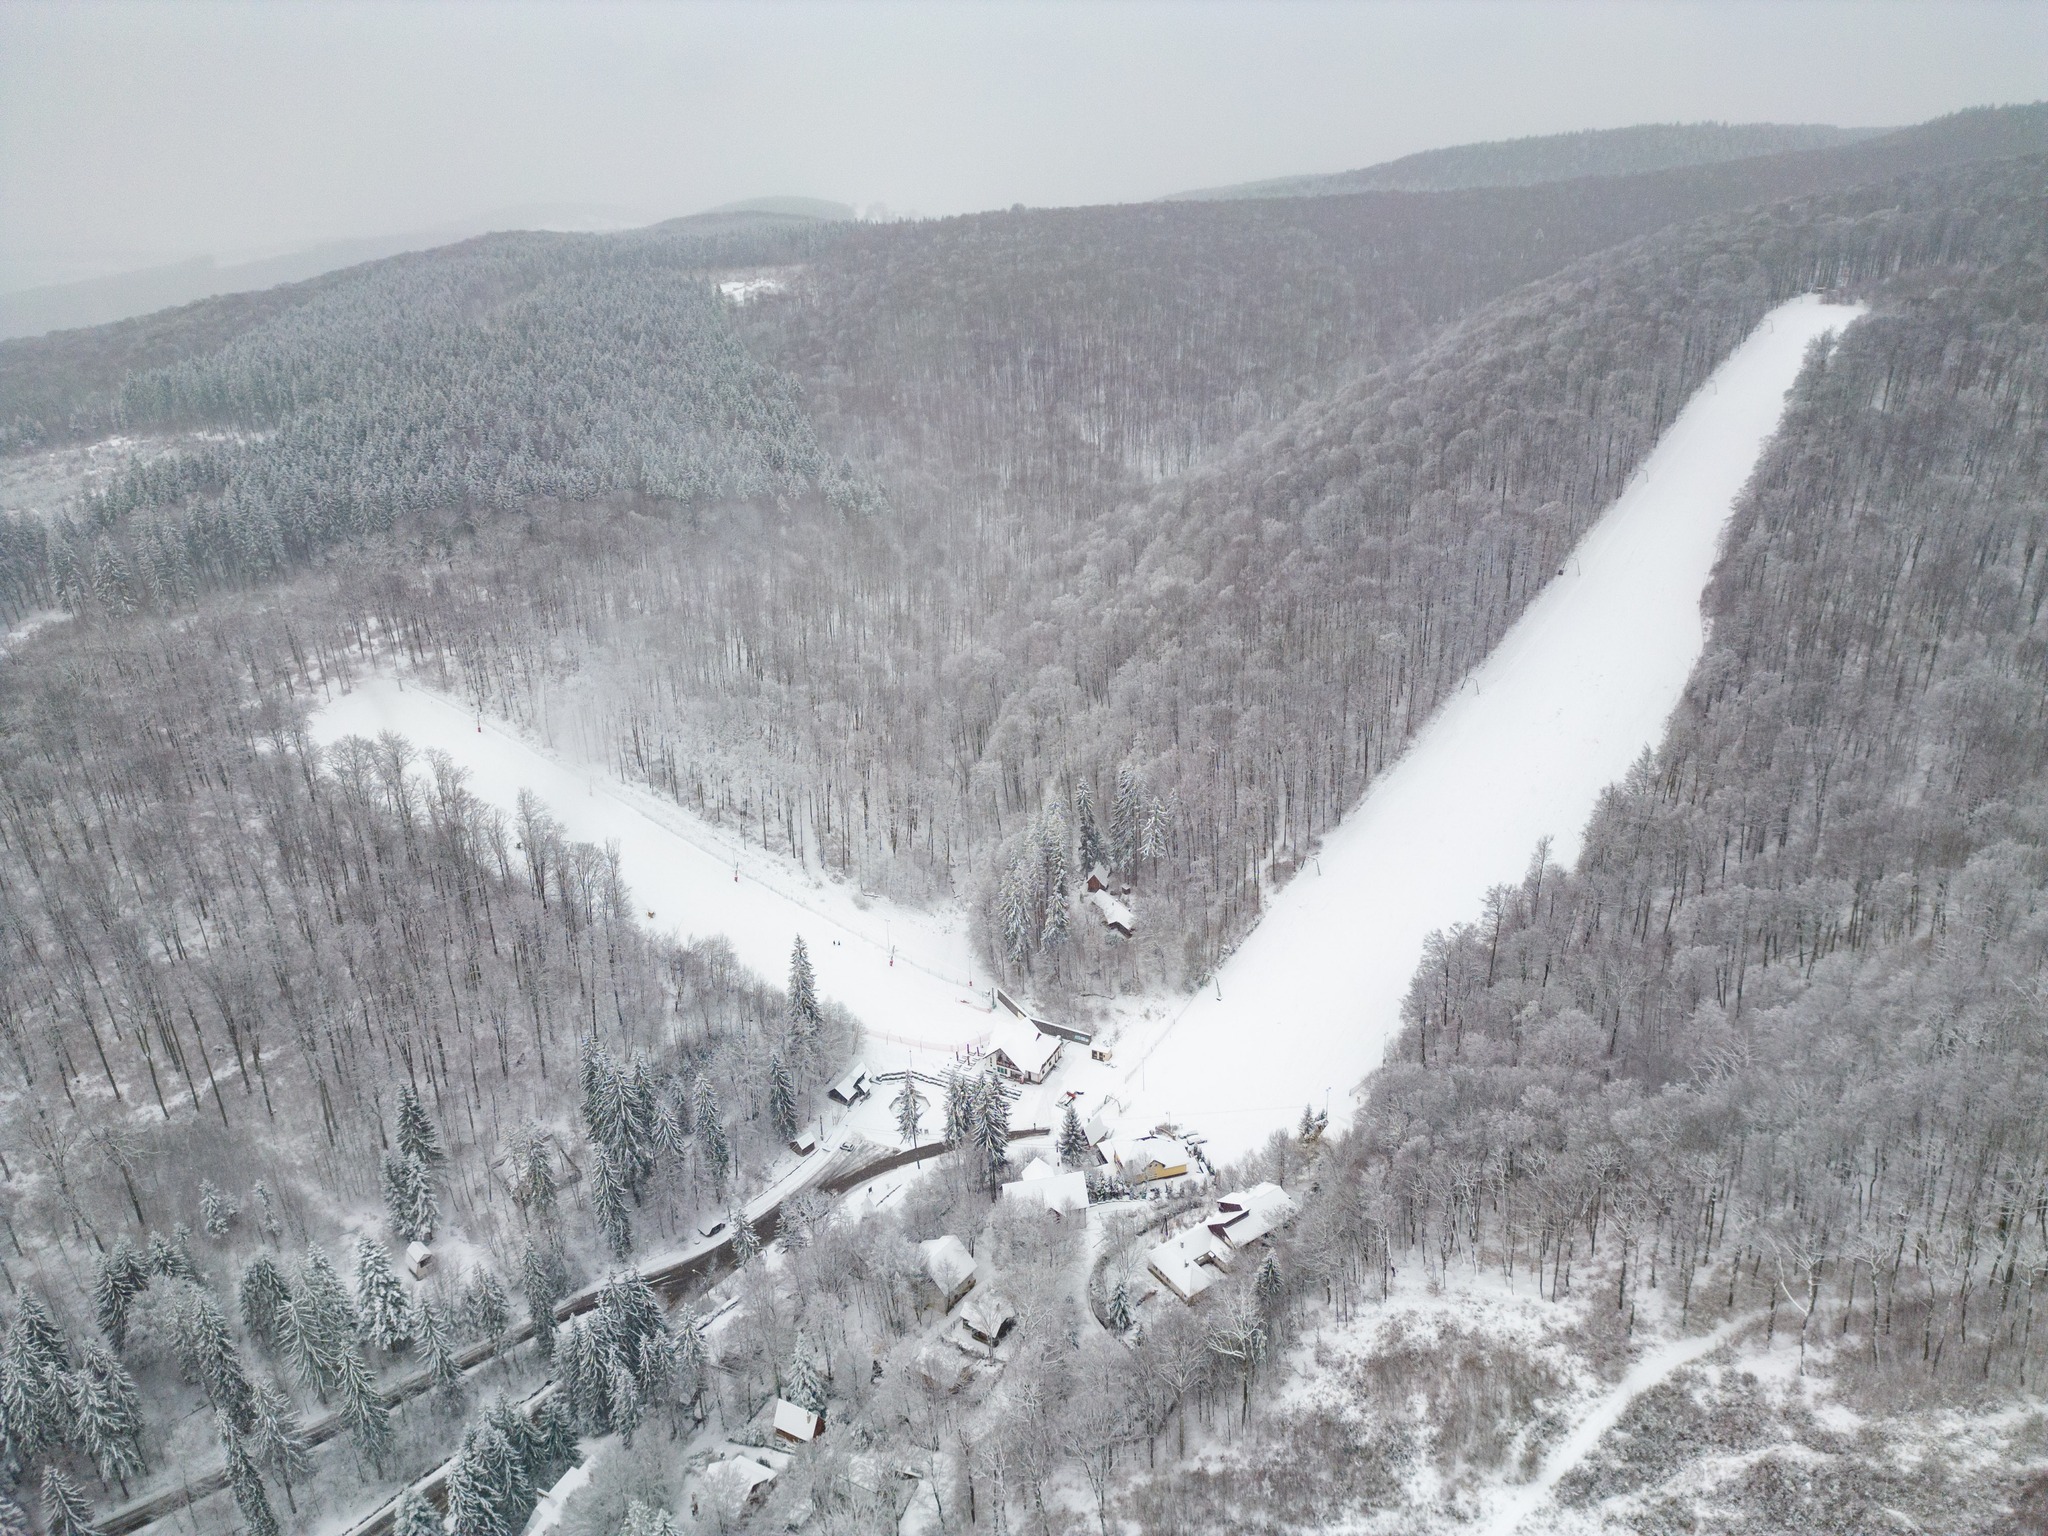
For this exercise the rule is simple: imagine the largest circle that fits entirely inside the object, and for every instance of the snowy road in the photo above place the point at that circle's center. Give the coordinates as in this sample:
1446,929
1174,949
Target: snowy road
1584,681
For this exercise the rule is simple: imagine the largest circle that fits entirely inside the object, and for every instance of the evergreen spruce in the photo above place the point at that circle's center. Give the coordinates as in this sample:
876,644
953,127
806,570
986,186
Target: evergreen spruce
1124,814
414,1516
13,1518
746,1242
543,1279
245,1482
989,1127
170,1260
533,1175
806,1018
119,1279
360,1406
417,1137
278,1440
486,1314
643,1519
712,1145
1093,850
608,1202
387,1314
909,1107
206,1349
437,1346
216,1211
801,1385
65,1511
106,1414
781,1098
1121,1317
959,1108
1075,1150
411,1207
1268,1286
263,1294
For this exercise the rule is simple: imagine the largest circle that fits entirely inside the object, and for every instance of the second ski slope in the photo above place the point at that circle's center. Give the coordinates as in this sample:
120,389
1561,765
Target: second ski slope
1585,680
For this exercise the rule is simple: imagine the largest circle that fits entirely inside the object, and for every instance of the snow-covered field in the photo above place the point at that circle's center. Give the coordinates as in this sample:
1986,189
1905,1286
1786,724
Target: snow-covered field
1582,684
1304,1009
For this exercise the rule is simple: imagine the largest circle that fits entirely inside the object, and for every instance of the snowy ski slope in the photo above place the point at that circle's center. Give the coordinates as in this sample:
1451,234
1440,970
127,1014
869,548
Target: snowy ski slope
1574,692
1305,1007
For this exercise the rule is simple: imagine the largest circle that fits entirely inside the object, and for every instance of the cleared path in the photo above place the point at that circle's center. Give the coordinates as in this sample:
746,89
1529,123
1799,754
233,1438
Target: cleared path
1574,692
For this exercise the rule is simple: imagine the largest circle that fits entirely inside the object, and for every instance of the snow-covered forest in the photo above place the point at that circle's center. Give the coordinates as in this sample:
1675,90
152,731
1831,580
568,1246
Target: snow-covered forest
377,1160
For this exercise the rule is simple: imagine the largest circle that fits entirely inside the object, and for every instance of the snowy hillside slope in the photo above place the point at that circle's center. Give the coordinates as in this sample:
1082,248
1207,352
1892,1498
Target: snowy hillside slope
1578,689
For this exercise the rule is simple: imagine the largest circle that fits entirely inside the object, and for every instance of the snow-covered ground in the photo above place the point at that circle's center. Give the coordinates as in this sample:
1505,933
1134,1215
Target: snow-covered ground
1305,1007
908,975
1575,691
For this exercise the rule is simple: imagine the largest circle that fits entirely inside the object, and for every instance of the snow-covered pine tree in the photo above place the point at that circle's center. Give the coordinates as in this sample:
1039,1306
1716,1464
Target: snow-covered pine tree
672,1122
416,1134
216,1211
246,1483
206,1349
381,1301
170,1260
802,1385
106,1414
806,1018
1121,1316
321,1290
120,1277
909,1107
959,1108
1124,814
411,1206
277,1439
360,1406
543,1279
13,1518
1268,1285
552,1444
263,1294
65,1511
1075,1149
714,1148
1093,850
781,1097
692,1355
414,1516
637,1099
533,1174
746,1242
437,1345
485,1312
608,1201
990,1128
1017,910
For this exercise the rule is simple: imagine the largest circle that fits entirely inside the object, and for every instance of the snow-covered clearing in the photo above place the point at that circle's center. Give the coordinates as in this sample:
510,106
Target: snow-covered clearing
1575,691
909,976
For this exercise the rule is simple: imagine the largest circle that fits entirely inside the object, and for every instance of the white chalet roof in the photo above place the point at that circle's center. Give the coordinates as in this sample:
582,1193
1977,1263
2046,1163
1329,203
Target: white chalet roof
1246,1215
734,1478
1024,1047
948,1262
1115,913
795,1421
1055,1191
852,1086
1187,1261
1039,1168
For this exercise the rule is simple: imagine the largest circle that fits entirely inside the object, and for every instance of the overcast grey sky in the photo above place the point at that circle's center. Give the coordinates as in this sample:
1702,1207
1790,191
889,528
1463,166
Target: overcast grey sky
137,132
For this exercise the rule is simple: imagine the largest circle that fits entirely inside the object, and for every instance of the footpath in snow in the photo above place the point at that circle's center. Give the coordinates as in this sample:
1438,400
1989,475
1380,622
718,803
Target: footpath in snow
909,976
1584,681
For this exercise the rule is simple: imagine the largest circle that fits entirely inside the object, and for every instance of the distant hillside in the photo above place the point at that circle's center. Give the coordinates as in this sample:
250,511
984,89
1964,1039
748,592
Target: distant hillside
1557,157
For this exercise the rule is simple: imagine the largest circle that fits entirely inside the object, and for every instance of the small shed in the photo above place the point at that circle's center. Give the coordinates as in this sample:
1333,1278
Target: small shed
419,1260
949,1269
1116,915
1098,879
852,1088
1186,1263
734,1482
796,1424
987,1318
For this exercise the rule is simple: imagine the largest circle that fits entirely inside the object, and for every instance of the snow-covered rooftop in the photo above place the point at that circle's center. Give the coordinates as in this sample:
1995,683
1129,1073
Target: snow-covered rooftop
1054,1191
